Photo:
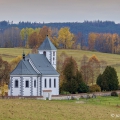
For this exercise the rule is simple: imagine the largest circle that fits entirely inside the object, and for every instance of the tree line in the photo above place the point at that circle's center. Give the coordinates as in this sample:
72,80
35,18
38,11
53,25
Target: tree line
17,35
85,27
92,75
108,43
32,38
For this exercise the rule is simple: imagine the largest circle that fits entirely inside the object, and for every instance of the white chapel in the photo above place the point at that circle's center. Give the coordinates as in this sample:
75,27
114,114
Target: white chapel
36,73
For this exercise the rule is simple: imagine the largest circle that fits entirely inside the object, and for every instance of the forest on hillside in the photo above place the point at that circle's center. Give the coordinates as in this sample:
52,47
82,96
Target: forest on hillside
103,36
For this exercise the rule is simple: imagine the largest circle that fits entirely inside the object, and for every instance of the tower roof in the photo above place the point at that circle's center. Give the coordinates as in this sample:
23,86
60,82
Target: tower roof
47,45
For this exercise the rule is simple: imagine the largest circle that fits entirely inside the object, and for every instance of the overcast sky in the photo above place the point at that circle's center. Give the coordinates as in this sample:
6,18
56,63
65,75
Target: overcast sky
59,10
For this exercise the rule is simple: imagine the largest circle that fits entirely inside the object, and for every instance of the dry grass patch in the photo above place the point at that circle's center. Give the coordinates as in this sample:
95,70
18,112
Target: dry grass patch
16,109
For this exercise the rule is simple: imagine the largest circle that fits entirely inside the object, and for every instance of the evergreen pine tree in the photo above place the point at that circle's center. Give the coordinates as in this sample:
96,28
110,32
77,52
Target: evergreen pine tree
69,73
108,80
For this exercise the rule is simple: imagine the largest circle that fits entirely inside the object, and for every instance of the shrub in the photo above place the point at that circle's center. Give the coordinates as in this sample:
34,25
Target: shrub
83,88
114,94
94,88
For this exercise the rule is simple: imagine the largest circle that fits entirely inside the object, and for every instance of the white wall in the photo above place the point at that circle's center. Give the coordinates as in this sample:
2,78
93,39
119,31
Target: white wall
15,91
53,62
55,90
34,91
26,91
34,88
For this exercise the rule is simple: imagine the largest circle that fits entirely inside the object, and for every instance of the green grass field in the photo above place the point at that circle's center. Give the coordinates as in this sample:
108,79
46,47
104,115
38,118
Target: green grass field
112,59
101,108
28,109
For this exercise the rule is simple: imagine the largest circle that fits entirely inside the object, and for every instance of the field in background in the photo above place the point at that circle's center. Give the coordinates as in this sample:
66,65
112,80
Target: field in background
112,59
28,109
9,54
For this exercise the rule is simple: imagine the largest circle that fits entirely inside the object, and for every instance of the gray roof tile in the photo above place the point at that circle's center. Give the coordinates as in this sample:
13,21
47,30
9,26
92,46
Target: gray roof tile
47,45
42,64
23,68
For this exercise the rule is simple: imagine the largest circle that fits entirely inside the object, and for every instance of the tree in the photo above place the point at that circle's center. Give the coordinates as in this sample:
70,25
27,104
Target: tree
69,72
81,85
4,72
66,38
80,39
85,69
95,68
60,61
44,31
33,40
108,80
10,38
25,33
82,88
91,40
72,77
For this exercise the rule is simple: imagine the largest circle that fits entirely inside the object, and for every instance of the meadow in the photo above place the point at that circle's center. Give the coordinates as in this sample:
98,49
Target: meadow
9,54
32,109
100,108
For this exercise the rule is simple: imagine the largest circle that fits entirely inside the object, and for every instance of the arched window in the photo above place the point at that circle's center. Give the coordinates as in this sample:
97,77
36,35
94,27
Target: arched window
53,53
27,84
54,83
53,58
45,83
16,83
44,53
34,83
49,83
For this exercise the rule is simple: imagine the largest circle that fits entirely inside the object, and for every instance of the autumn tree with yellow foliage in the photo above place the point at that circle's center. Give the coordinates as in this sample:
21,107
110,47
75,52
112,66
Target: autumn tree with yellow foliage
66,38
25,33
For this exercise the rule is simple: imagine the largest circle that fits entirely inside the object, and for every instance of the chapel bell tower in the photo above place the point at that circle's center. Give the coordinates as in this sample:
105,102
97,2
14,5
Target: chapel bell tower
49,50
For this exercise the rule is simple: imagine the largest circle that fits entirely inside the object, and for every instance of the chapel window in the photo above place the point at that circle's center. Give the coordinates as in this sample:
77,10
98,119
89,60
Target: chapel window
49,83
16,83
53,53
44,53
27,84
45,83
53,58
34,83
54,83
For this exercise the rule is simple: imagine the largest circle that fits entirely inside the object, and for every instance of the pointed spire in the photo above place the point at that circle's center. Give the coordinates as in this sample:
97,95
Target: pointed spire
23,55
47,45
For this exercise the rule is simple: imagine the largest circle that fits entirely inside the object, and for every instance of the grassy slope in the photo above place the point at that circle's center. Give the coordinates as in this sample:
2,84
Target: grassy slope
112,59
16,109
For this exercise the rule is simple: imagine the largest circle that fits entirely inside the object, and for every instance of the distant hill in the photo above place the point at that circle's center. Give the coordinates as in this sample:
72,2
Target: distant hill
86,27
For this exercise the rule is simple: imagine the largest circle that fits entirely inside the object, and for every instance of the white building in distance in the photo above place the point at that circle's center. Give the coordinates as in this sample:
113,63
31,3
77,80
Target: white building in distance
36,73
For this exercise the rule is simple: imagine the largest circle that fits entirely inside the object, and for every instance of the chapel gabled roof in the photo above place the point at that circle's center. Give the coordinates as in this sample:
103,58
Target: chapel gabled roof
24,68
47,45
39,62
42,64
